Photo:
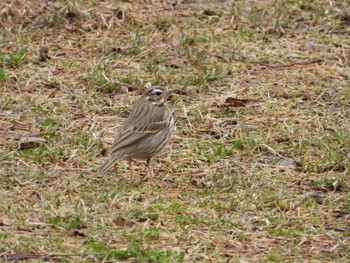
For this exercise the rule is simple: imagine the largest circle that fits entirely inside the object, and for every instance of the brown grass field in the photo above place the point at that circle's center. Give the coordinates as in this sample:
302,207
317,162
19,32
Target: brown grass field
257,171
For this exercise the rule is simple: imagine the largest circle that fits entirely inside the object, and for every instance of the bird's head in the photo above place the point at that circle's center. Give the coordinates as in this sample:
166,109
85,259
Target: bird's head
157,95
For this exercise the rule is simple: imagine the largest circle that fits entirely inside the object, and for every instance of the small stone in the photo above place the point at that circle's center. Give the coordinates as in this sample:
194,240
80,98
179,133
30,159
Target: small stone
317,196
44,54
123,90
285,162
308,46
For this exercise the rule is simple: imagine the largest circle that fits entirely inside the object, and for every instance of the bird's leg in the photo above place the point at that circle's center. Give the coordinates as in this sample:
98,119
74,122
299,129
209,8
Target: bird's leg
150,172
130,167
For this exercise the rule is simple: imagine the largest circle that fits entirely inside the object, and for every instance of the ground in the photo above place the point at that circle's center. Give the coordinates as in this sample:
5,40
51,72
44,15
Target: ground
257,170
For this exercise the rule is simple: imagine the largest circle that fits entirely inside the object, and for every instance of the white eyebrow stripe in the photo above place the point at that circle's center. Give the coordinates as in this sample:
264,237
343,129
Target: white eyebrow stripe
156,90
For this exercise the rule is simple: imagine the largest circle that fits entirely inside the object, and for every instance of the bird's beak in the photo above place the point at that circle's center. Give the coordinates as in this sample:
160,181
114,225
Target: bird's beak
170,93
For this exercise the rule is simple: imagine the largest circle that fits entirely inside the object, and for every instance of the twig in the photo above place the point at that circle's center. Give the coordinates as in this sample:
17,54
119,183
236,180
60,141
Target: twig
269,65
186,116
301,63
23,256
338,229
341,32
298,63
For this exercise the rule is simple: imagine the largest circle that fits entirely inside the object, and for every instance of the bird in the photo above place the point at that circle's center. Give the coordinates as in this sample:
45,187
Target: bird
145,133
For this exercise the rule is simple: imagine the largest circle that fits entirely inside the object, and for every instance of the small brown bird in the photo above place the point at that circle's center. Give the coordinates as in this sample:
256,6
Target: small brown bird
146,132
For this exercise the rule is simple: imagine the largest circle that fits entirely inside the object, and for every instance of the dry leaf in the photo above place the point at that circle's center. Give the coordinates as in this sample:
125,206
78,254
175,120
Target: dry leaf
233,102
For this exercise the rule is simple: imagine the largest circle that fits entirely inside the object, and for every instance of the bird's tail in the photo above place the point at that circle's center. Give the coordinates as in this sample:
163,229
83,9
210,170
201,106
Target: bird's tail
108,164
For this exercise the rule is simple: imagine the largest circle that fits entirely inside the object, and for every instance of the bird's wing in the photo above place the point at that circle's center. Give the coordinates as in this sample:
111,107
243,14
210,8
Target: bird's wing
144,121
137,132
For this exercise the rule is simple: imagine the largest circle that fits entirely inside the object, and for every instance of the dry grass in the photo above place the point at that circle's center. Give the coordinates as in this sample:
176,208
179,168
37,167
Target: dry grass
258,169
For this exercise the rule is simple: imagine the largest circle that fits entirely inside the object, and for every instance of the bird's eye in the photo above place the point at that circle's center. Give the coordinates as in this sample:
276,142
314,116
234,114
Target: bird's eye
158,93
